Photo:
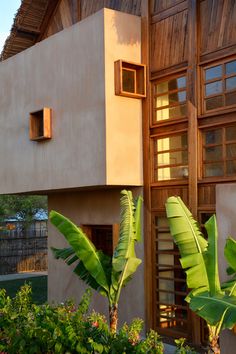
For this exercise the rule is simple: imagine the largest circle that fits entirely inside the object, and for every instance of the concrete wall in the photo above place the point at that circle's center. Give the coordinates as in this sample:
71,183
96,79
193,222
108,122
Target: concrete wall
226,220
96,135
97,207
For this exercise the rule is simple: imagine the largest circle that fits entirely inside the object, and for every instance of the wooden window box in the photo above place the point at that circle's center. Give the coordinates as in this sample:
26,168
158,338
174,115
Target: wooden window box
40,126
130,79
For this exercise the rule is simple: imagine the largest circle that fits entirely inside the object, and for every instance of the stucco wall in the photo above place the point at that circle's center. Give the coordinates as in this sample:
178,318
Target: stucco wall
91,135
226,220
97,207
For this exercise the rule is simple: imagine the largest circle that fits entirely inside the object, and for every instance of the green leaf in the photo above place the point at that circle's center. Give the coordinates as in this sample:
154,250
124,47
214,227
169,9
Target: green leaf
124,261
230,252
217,309
137,216
212,256
191,244
83,248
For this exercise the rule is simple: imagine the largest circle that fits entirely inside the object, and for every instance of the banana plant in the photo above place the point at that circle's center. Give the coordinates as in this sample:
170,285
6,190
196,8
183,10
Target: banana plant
107,275
216,304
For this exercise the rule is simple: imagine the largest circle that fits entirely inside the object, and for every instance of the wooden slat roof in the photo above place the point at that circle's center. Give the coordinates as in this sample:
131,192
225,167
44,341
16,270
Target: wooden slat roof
30,20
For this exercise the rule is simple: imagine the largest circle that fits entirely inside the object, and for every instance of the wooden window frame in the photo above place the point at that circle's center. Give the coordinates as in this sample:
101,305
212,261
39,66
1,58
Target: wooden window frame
154,153
175,267
115,232
223,78
155,123
40,120
224,159
139,71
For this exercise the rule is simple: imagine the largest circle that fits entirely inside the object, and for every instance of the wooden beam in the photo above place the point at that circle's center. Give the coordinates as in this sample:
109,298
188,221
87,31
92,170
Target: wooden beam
148,247
192,74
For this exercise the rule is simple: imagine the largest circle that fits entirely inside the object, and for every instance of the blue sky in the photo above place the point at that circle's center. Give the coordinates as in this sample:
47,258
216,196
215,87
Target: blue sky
8,9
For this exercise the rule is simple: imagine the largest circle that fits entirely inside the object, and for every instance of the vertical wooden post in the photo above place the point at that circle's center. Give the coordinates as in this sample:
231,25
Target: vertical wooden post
192,104
193,128
148,247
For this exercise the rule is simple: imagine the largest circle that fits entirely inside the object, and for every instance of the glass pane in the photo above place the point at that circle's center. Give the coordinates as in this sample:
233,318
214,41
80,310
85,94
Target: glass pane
213,169
167,274
162,87
230,133
166,100
165,236
166,298
214,102
166,284
172,142
128,77
167,259
230,68
172,158
230,98
161,222
162,246
212,137
213,73
171,112
231,83
214,87
174,84
213,153
231,168
167,173
230,151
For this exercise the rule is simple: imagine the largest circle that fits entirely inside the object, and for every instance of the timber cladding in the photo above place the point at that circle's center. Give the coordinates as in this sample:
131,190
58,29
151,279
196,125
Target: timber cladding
195,40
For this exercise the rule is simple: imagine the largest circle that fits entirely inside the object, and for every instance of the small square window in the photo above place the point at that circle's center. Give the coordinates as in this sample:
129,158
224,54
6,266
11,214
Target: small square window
130,79
40,125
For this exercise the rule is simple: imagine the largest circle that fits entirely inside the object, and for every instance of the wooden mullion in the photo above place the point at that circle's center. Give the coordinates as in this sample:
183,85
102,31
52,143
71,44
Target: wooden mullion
173,104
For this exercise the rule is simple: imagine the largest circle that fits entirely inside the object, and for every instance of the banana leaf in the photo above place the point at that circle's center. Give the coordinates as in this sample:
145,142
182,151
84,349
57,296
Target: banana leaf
93,261
124,261
218,309
211,256
230,255
69,257
191,244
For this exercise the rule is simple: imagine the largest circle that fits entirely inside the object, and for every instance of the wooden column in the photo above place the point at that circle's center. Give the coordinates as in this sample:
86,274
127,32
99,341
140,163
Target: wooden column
192,104
193,129
149,262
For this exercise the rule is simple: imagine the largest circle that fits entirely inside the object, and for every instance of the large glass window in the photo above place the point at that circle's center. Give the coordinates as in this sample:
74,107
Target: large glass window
170,99
171,157
220,85
219,152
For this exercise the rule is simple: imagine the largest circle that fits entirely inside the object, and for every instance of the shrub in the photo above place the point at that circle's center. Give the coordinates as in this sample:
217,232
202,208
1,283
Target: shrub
32,329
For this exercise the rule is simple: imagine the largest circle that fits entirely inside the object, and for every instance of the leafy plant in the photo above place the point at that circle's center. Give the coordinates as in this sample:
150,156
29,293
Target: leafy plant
26,328
216,304
107,275
182,347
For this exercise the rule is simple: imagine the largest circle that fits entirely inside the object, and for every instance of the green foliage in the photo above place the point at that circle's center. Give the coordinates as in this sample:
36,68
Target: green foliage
22,207
183,348
104,274
191,244
216,304
31,329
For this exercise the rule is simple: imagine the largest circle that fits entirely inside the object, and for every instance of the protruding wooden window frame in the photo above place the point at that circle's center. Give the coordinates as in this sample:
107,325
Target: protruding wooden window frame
44,117
139,79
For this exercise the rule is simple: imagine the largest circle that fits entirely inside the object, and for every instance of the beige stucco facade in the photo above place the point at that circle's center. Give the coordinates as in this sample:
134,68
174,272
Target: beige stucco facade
72,72
226,220
96,208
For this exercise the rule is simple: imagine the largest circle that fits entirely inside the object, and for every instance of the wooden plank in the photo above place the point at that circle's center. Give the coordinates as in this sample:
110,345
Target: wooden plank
218,25
168,42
